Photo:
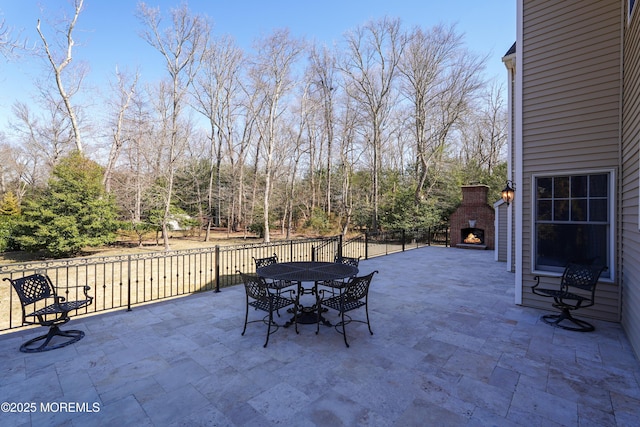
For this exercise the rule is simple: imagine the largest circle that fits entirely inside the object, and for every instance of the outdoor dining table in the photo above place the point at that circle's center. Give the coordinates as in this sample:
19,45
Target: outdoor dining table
307,271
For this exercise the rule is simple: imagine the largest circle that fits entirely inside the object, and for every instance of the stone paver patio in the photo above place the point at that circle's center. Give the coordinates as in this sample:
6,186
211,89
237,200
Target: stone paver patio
450,348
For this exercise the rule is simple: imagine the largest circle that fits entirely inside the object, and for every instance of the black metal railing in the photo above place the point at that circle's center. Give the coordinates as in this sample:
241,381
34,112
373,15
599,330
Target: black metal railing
379,243
124,281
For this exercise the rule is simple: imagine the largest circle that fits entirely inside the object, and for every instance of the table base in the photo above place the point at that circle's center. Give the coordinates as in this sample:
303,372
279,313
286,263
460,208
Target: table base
308,316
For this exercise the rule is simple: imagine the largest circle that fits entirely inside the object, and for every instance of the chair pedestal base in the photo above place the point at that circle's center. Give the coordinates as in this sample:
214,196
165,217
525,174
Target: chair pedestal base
54,331
555,319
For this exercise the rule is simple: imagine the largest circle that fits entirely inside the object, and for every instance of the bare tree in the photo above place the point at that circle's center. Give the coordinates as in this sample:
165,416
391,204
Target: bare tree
374,51
216,91
124,91
348,123
10,44
19,169
138,168
323,74
486,131
182,45
239,156
440,80
59,64
296,130
46,134
271,75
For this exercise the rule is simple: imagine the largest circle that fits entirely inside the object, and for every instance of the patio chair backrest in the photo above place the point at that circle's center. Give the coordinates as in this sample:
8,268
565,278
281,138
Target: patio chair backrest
33,288
347,260
358,287
263,262
580,276
255,286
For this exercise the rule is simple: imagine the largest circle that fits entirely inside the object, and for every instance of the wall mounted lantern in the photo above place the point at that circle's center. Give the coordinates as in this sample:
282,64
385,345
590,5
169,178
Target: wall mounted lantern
508,192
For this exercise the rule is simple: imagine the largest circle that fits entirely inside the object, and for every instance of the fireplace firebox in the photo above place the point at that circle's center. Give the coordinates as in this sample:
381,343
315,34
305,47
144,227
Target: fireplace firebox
473,236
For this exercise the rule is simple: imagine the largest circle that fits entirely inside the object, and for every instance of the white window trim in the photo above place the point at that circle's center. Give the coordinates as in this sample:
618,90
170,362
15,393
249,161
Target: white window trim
631,10
611,262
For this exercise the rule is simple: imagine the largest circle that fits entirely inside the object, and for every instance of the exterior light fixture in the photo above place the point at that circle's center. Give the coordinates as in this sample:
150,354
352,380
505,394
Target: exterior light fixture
508,192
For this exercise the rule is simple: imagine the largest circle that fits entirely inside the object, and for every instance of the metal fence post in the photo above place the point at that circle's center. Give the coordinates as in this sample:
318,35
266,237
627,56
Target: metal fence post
403,239
366,245
128,282
217,267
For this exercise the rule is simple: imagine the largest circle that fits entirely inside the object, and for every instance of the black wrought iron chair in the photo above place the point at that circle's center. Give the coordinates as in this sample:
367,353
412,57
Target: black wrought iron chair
278,285
353,295
37,290
260,297
274,284
577,290
337,284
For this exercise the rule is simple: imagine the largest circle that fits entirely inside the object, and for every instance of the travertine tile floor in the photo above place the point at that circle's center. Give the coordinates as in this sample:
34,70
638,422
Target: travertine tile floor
450,348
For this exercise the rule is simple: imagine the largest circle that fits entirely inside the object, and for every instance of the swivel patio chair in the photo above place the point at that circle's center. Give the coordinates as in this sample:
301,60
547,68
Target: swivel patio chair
260,297
577,290
35,291
353,295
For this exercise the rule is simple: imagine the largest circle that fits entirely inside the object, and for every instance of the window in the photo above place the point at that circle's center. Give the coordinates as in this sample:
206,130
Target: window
573,220
632,3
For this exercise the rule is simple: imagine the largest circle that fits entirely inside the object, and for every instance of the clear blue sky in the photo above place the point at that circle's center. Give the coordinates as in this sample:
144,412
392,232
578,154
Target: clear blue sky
107,33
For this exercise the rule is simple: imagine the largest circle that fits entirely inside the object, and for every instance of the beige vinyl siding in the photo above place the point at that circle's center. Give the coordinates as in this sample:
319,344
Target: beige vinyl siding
501,235
570,111
629,235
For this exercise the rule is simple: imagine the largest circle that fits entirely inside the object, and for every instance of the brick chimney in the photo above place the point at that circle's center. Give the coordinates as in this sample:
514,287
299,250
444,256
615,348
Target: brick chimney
473,220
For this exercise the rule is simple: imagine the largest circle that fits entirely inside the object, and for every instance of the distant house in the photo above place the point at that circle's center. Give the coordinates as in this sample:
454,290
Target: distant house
574,156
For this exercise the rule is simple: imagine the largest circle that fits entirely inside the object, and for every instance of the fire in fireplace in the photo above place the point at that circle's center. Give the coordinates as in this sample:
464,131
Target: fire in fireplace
473,236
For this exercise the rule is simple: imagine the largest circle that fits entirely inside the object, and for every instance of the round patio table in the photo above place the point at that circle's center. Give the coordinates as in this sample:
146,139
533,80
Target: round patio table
307,271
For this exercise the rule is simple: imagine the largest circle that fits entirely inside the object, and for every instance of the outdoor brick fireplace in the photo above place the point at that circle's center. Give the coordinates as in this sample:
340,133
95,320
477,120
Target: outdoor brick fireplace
472,224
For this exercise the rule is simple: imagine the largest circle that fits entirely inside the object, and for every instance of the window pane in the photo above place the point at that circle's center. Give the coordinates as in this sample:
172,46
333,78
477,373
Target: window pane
561,243
598,185
544,186
579,210
561,210
579,186
561,187
544,210
598,210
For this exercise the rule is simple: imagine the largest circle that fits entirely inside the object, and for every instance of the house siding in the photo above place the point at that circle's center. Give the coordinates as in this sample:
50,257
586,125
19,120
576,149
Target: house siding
571,59
502,213
629,204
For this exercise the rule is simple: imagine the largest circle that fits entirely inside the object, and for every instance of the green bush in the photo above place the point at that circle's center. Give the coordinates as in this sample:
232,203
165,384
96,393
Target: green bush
257,228
319,221
7,240
9,215
73,212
